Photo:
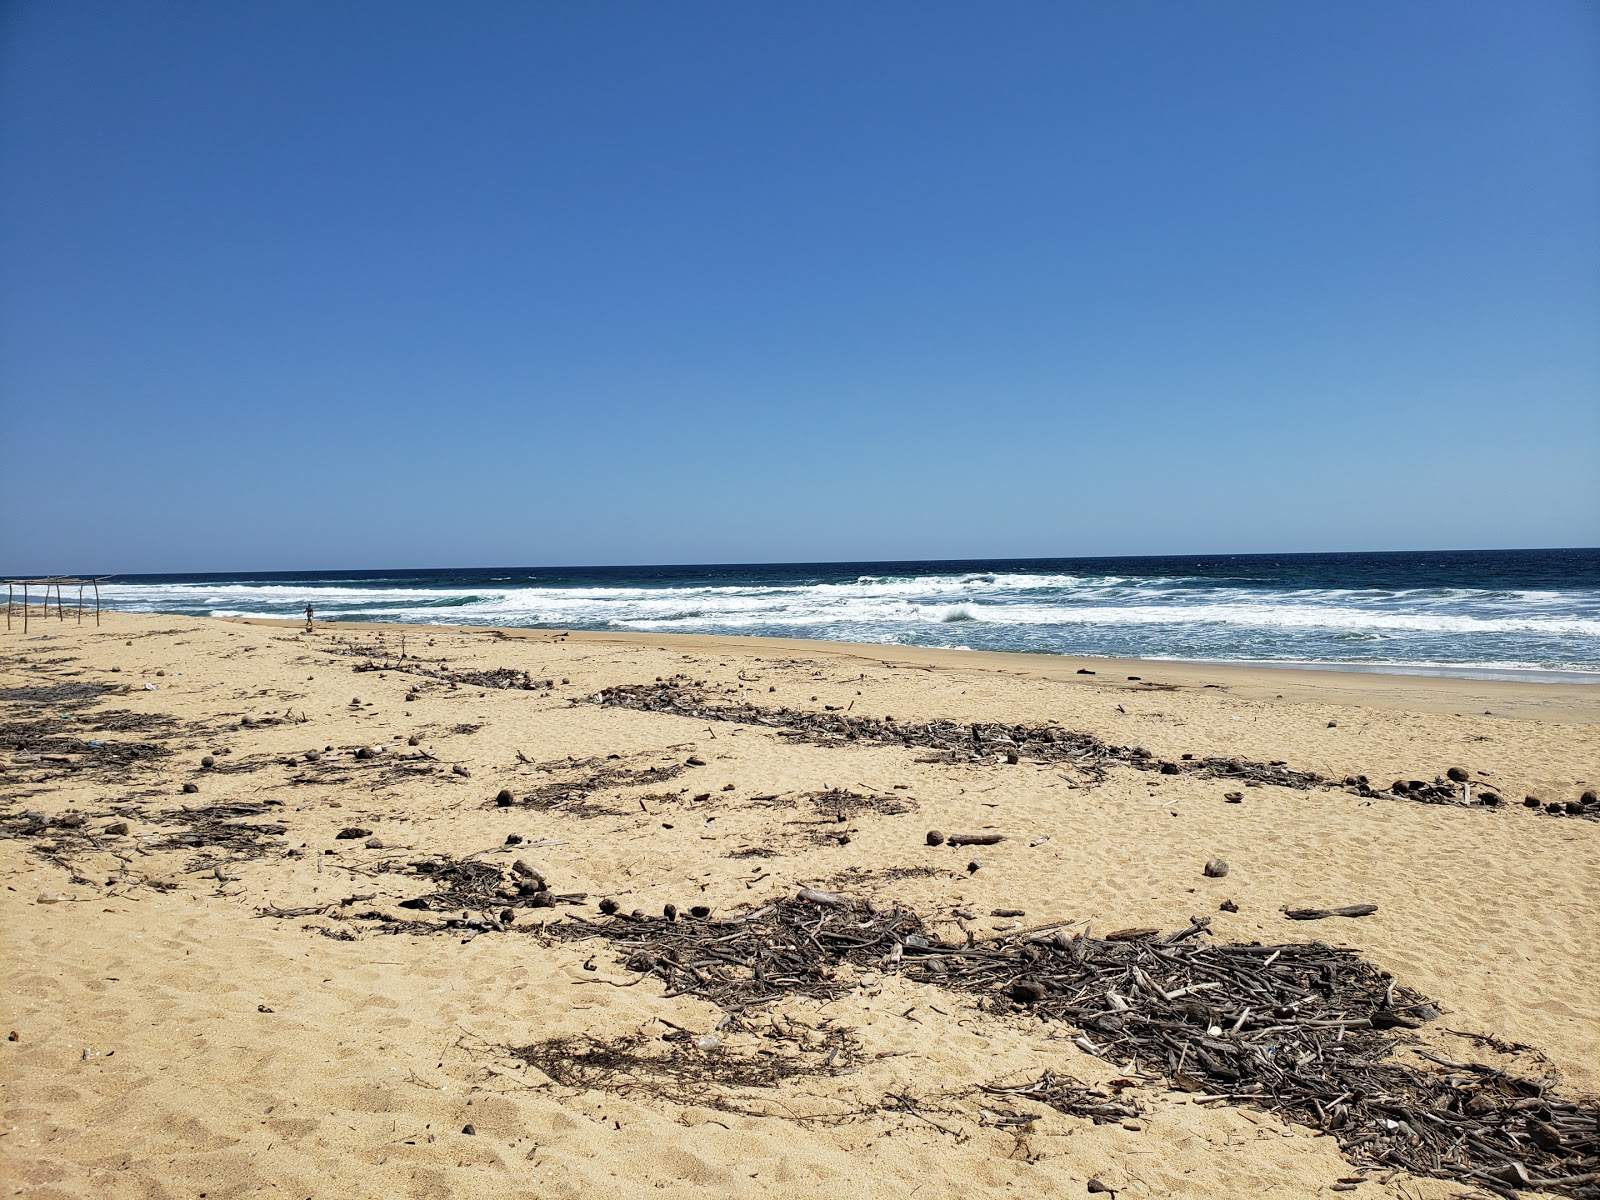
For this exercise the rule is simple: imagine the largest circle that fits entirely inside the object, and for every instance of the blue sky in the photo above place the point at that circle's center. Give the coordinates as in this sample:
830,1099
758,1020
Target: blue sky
359,285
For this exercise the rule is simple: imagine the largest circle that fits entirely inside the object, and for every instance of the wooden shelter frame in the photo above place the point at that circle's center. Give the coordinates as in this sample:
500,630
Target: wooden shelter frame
54,581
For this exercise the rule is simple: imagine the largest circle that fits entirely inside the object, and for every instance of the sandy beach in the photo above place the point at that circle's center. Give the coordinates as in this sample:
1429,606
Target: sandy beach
194,1010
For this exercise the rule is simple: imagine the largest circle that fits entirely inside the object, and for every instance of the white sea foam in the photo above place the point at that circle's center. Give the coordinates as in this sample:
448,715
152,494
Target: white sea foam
1187,617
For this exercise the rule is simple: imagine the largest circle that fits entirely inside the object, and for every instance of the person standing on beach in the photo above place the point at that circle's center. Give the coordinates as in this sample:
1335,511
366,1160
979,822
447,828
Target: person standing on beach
310,624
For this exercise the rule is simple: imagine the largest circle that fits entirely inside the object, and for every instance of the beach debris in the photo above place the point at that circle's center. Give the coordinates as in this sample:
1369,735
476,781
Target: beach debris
458,769
935,838
701,1072
1216,868
1233,797
1097,1188
1305,1030
190,789
1228,906
575,781
1457,775
813,896
1317,914
351,832
975,839
208,762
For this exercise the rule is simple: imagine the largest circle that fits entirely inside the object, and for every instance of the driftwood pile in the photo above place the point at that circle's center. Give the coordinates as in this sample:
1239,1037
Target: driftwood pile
1307,1031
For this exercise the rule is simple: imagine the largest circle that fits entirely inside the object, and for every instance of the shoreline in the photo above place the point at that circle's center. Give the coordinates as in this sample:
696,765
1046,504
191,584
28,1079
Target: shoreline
1571,701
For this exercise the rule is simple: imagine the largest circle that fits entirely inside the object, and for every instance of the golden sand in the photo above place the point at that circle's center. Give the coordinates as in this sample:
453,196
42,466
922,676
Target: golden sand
170,1041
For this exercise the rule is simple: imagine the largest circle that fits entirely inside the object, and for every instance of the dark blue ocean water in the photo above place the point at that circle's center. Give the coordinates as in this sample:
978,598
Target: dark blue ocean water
1493,611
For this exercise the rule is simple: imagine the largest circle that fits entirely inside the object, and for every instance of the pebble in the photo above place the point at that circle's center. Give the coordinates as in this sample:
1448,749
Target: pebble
1216,868
117,828
373,843
191,788
935,838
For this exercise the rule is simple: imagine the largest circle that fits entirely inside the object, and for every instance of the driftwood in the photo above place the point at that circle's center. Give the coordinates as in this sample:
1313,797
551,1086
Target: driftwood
1317,914
975,839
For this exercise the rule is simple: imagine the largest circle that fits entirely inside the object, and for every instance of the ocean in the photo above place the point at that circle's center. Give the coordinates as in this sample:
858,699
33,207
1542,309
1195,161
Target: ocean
1501,613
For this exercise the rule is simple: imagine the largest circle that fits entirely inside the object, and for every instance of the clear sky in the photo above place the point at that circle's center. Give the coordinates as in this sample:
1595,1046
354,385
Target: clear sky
337,284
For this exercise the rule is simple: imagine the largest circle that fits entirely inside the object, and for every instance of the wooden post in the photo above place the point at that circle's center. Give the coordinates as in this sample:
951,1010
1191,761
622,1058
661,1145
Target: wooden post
97,602
24,608
80,602
61,612
8,606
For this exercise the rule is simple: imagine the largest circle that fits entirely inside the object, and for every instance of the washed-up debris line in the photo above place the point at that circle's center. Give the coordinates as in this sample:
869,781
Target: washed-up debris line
381,657
1307,1031
678,1067
485,898
218,833
995,742
582,778
951,741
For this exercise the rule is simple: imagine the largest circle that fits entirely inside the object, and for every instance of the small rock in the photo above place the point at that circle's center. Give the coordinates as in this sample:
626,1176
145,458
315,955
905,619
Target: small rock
972,867
669,911
1555,808
364,752
470,1129
700,911
1027,991
935,838
1216,868
413,740
1457,775
350,833
505,799
208,762
1228,906
190,788
1531,802
1169,768
694,761
1085,671
513,839
1575,808
1590,798
609,907
53,897
1234,797
373,843
1333,724
458,769
117,828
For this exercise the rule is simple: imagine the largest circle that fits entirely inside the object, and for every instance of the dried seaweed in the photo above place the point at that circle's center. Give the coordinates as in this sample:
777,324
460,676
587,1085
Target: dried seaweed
683,1070
951,741
583,778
